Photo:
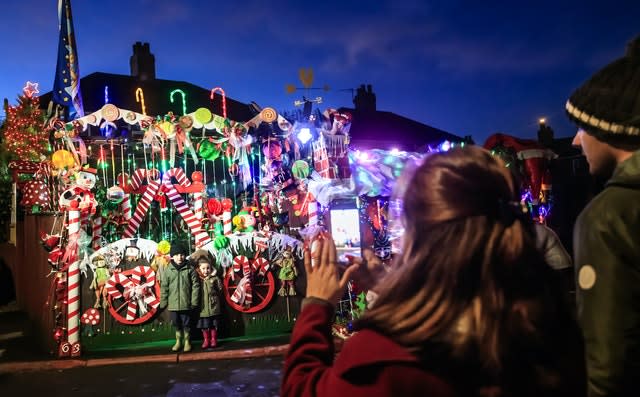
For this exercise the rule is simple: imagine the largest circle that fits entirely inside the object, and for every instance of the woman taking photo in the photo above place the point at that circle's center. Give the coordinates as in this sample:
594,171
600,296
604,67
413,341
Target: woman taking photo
469,309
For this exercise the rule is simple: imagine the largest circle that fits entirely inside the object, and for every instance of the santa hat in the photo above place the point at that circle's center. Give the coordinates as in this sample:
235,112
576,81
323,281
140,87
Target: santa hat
608,105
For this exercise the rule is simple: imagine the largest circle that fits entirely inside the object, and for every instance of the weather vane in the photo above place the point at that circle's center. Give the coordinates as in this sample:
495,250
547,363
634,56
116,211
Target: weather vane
306,78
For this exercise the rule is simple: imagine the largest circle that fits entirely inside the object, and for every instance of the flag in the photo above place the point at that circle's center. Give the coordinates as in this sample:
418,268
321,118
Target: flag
66,85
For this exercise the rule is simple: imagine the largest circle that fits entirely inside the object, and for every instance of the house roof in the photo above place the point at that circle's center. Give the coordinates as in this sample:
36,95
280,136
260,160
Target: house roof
386,130
122,93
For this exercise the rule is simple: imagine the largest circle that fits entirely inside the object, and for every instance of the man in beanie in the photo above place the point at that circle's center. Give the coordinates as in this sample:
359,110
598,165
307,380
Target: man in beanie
180,294
607,233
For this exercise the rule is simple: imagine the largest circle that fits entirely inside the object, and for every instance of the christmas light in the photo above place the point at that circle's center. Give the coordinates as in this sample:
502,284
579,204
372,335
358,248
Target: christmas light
24,137
140,98
30,89
184,99
224,99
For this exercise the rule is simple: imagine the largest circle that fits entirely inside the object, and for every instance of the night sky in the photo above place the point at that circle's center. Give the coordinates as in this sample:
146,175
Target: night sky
467,67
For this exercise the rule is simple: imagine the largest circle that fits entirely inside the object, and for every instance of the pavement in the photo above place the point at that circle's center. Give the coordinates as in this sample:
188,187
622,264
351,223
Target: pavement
19,354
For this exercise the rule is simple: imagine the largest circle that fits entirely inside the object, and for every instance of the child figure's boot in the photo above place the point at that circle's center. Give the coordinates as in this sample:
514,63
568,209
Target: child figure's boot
205,338
187,340
178,344
214,338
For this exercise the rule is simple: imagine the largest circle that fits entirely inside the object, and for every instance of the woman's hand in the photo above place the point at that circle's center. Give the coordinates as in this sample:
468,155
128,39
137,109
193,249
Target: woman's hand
370,269
323,279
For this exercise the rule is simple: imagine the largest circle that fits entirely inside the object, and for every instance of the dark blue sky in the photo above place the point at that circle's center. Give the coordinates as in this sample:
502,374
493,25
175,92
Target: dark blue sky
468,67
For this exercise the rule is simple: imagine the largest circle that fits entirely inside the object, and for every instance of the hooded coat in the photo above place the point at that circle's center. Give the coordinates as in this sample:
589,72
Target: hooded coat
607,262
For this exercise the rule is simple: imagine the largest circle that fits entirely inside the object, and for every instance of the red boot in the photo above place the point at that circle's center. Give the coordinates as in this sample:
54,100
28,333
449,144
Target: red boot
213,342
205,338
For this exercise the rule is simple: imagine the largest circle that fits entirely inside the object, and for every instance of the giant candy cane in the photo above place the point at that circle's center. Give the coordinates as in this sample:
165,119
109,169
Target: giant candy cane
145,201
73,284
195,224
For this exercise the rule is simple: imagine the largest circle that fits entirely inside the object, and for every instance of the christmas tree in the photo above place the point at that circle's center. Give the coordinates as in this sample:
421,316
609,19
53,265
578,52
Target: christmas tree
24,135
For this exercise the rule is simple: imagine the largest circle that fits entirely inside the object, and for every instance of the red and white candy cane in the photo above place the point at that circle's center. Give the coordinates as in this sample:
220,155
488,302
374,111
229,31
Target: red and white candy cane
224,99
73,281
260,265
243,294
97,233
197,206
140,294
195,225
126,207
312,210
113,282
145,201
227,205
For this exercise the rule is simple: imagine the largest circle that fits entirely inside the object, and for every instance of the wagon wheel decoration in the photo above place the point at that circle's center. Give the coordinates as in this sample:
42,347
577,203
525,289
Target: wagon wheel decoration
134,295
253,289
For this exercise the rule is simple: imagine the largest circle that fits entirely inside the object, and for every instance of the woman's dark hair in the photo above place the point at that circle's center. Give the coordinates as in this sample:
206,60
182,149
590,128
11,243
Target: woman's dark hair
471,279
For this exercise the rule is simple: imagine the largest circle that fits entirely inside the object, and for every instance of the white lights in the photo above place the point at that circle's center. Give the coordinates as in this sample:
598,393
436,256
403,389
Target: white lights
304,135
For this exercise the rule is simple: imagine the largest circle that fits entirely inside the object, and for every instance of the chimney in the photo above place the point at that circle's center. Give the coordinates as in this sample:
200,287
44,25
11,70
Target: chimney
365,99
142,62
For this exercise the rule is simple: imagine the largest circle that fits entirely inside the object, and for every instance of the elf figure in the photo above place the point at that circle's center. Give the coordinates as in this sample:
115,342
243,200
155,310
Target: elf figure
287,274
100,276
210,292
180,294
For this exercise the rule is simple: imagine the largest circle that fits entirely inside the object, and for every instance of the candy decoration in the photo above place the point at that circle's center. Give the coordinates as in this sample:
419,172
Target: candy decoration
226,223
145,201
224,99
91,317
243,293
140,291
300,169
140,98
194,224
203,115
214,207
126,207
312,211
261,265
197,206
73,281
268,115
97,233
111,112
208,150
62,159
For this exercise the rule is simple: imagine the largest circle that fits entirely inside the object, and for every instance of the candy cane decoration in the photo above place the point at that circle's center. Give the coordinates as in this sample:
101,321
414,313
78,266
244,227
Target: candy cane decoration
312,210
145,201
224,99
126,207
140,293
113,282
73,281
226,222
197,206
195,224
140,98
97,233
184,99
243,294
260,265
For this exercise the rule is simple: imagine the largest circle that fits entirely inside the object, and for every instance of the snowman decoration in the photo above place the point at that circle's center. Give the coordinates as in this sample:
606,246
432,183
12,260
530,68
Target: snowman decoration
84,181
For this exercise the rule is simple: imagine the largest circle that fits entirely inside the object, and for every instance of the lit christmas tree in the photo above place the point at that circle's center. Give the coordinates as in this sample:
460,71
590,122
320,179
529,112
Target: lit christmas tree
24,135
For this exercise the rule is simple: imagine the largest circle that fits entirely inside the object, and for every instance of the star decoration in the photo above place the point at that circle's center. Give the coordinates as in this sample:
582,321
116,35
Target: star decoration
31,89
